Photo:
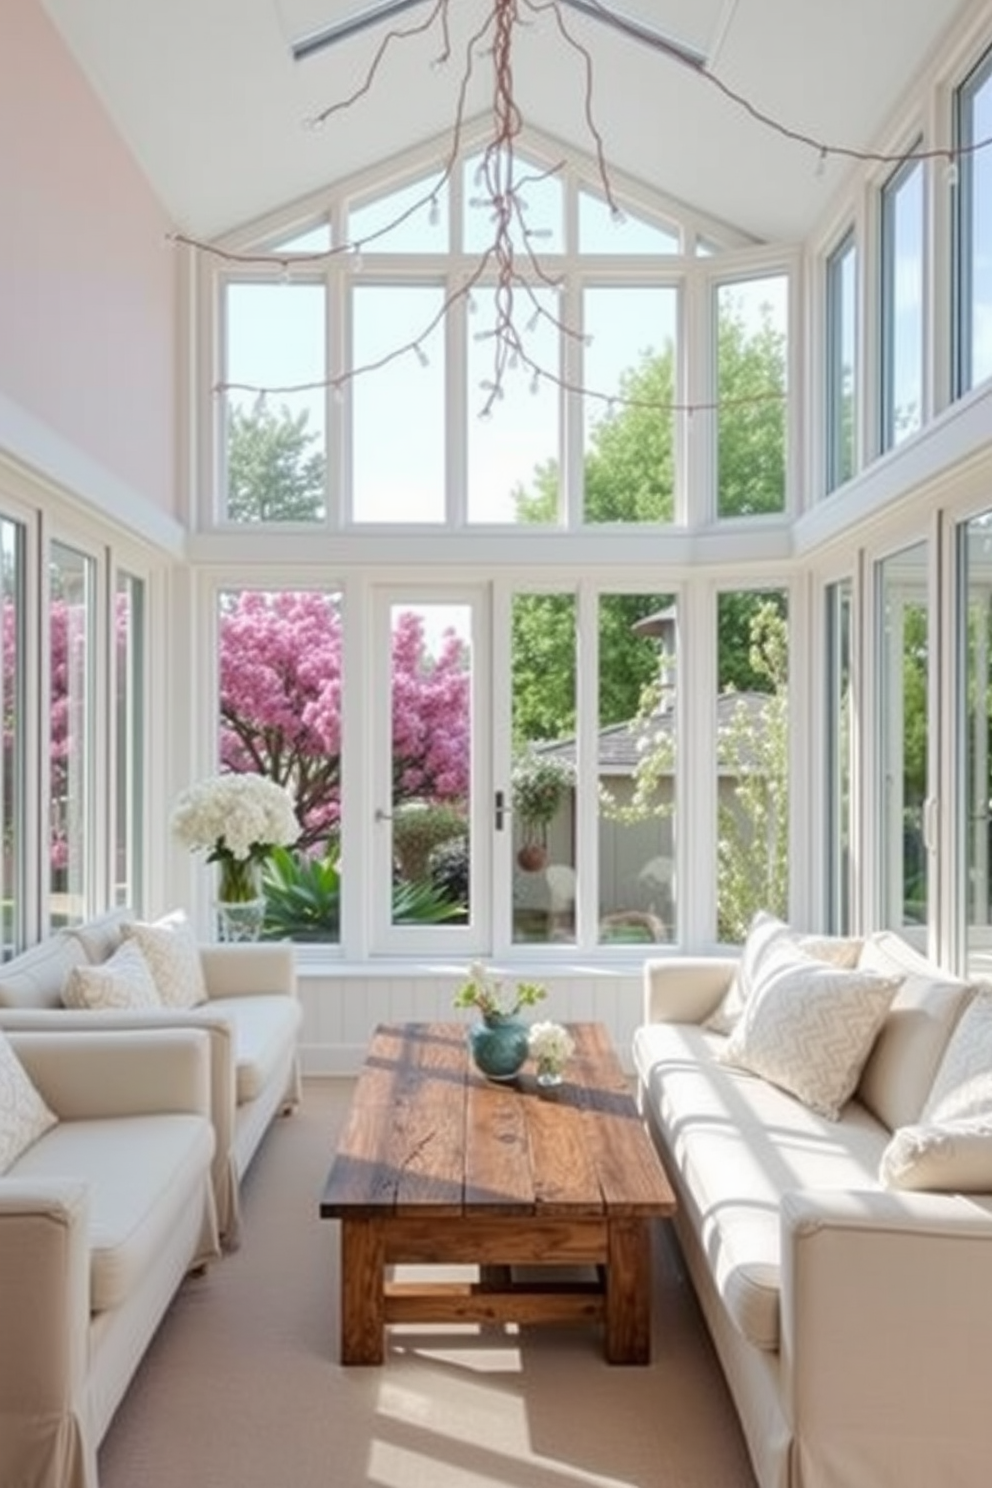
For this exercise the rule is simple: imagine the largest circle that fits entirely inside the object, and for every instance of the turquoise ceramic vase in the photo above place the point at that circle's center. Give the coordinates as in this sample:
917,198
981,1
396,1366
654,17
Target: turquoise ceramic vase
499,1045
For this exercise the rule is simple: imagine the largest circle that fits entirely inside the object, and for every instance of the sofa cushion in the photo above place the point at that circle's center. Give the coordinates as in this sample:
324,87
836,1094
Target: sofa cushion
265,1029
35,978
170,948
950,1157
102,936
24,1116
963,1083
141,1173
809,1027
767,936
898,1076
738,1145
124,980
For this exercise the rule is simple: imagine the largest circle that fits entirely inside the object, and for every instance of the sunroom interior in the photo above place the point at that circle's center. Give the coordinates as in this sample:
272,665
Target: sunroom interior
619,402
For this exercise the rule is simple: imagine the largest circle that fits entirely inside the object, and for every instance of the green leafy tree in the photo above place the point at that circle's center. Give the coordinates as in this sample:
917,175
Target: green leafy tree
273,472
629,478
753,815
751,385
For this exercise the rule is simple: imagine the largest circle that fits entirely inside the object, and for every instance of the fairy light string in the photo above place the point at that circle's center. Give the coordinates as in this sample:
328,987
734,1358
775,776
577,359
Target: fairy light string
514,277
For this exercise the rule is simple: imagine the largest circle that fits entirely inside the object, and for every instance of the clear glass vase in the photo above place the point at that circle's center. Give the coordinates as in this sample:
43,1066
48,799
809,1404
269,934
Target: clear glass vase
240,900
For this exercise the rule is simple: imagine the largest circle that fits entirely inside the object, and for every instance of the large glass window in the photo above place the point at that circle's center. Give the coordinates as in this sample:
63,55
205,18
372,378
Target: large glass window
130,740
398,407
838,740
752,730
841,328
12,783
544,779
636,768
974,806
902,718
631,368
514,408
279,671
428,816
71,837
901,308
973,230
275,446
752,380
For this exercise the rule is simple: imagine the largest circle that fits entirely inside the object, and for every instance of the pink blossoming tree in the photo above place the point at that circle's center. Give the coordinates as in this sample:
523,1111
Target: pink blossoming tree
280,704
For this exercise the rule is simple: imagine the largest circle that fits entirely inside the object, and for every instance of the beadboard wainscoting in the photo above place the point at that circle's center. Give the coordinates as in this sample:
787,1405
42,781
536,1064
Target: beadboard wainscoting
341,1007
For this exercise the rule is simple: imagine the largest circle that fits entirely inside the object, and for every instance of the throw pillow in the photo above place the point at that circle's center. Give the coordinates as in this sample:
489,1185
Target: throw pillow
767,936
963,1083
24,1116
953,1157
170,948
900,1072
809,1027
124,980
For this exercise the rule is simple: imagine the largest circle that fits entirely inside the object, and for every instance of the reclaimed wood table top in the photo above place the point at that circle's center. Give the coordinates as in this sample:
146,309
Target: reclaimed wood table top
429,1135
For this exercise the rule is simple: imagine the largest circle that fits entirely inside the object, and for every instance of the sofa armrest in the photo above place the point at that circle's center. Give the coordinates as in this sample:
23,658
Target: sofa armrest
118,1073
685,989
45,1306
249,970
886,1334
223,1073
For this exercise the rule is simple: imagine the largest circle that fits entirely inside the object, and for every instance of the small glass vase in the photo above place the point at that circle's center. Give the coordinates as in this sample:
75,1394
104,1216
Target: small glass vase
550,1072
240,900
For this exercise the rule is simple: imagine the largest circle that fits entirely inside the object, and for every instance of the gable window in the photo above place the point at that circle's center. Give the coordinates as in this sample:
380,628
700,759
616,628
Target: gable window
416,356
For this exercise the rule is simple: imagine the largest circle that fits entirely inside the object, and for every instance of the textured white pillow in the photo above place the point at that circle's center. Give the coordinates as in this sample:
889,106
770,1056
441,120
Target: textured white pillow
767,938
24,1116
809,1028
124,980
169,946
963,1083
954,1157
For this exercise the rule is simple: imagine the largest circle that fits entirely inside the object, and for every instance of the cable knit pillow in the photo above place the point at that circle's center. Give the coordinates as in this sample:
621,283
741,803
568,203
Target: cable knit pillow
124,980
808,1027
24,1116
169,946
962,1086
767,936
953,1157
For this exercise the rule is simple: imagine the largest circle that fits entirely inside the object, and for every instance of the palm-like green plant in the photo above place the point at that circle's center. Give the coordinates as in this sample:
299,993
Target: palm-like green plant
421,902
302,896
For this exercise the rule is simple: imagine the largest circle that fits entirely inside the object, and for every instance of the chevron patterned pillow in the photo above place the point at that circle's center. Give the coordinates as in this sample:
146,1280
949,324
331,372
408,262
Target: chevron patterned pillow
809,1027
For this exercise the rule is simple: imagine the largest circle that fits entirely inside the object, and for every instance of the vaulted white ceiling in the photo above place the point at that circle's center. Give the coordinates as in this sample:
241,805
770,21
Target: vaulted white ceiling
215,108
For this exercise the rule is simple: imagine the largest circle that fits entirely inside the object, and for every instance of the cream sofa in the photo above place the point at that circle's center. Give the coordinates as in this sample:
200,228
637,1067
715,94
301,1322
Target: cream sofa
853,1319
252,1015
101,1218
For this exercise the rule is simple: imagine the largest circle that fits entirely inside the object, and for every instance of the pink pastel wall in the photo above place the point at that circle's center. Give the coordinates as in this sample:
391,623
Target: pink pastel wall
87,280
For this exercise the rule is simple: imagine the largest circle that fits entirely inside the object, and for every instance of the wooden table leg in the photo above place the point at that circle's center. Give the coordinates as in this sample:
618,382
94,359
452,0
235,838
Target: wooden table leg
363,1296
628,1292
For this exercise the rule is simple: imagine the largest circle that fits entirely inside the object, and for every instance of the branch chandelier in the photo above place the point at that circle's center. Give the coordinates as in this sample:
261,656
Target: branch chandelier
517,276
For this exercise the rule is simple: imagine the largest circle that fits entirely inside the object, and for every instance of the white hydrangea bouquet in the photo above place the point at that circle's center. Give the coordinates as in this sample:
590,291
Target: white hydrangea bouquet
238,819
551,1046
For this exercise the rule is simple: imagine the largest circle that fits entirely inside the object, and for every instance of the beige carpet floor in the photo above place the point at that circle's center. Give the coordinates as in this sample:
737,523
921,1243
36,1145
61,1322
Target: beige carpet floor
241,1387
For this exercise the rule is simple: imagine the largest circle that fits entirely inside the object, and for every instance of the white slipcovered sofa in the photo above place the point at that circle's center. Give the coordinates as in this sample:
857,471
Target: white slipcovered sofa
243,995
102,1216
842,1257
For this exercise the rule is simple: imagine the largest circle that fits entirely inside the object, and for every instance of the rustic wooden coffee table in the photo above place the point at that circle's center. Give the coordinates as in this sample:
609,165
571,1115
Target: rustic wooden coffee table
439,1166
